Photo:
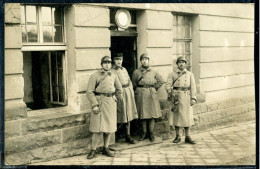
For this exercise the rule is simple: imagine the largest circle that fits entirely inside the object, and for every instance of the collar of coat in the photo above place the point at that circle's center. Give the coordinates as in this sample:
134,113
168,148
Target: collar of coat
148,69
179,71
117,67
102,72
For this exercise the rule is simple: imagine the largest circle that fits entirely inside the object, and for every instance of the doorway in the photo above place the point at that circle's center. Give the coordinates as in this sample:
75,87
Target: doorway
127,46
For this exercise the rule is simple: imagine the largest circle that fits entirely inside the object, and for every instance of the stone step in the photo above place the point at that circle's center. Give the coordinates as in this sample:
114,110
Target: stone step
53,119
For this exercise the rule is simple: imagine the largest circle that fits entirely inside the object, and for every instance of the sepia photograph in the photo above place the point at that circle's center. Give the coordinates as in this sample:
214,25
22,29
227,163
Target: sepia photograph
139,84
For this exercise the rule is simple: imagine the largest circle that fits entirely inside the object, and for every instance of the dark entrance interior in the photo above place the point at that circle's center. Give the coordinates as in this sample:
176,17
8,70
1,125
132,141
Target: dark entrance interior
127,46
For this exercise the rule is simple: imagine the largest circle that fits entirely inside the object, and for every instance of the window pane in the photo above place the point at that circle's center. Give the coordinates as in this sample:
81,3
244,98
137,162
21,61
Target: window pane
46,15
58,34
22,15
187,32
32,33
180,20
56,13
59,59
180,32
188,59
47,34
53,60
181,48
60,78
174,20
187,21
55,93
187,47
31,14
53,77
61,94
23,34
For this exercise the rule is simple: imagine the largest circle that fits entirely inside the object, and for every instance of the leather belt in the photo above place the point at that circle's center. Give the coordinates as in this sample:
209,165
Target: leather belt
104,94
125,86
181,88
146,86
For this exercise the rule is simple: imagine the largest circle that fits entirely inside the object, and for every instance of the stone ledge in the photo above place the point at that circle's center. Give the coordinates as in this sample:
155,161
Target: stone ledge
13,128
57,151
31,141
75,133
57,119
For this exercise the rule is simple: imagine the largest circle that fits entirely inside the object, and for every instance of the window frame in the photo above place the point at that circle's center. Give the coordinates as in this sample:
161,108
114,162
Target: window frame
49,46
64,81
189,40
39,25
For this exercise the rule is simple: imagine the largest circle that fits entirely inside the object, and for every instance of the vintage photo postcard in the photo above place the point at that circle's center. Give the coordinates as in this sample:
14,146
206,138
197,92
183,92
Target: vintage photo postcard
129,84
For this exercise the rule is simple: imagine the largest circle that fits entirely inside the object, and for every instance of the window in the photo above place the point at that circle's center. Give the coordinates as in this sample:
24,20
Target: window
44,79
42,24
43,49
182,37
56,69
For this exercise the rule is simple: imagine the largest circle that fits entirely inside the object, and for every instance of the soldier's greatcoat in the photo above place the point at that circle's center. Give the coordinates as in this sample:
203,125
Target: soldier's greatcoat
126,107
183,115
147,101
106,120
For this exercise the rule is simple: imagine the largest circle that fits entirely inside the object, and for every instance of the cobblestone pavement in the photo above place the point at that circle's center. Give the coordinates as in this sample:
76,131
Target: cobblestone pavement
222,146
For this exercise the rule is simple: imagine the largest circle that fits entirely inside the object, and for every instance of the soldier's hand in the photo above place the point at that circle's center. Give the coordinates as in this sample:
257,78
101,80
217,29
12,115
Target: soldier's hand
192,102
95,109
114,97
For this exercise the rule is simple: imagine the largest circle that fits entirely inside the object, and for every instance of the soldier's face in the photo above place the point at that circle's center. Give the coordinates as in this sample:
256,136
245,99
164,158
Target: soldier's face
106,65
181,65
145,61
118,61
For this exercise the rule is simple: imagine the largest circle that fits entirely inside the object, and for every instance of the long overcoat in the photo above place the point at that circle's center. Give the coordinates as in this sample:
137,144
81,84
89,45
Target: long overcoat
126,107
182,116
147,101
105,121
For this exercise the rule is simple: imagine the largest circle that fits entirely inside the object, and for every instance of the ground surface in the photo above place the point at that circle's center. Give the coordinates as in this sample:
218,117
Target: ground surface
229,145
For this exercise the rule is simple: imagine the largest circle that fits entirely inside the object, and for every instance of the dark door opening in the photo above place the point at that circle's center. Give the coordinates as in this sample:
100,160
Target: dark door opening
127,46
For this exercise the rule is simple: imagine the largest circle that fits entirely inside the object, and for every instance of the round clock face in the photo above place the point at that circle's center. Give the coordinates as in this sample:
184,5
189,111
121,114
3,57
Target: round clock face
123,18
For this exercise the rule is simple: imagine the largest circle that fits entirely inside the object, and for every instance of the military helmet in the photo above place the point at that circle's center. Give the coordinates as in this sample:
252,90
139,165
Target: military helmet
144,55
181,58
105,59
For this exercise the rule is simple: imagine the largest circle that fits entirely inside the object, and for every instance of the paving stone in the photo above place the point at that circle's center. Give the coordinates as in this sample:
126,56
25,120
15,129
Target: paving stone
161,159
159,163
121,163
143,159
121,159
212,149
139,163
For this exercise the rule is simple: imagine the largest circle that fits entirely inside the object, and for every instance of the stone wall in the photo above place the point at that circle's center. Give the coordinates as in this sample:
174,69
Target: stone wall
211,114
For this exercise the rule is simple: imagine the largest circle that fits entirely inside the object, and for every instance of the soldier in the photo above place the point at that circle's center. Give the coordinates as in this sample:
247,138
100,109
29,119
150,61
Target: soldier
102,89
181,87
147,81
126,108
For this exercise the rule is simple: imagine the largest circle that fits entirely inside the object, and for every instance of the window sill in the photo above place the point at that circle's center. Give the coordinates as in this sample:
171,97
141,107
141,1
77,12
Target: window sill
43,48
52,112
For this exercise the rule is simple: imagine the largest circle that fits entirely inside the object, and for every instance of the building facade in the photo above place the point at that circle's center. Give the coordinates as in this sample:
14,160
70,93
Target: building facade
52,49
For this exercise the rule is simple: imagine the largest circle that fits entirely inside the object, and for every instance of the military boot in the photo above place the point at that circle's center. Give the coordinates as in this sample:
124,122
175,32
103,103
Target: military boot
107,152
129,139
